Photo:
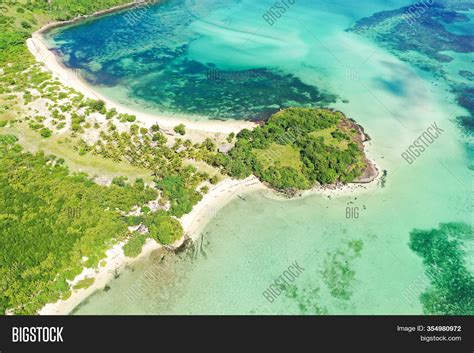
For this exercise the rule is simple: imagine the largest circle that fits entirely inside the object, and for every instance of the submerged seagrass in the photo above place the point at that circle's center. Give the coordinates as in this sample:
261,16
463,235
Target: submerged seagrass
354,265
153,64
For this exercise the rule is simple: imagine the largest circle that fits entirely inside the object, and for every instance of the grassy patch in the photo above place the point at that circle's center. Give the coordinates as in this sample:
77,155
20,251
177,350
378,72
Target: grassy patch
279,156
329,139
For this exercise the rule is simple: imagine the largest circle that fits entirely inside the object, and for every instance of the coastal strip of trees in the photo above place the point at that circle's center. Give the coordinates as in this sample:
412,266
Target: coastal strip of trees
53,223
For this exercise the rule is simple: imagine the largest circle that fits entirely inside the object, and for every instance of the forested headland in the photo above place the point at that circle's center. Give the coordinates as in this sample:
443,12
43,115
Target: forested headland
54,222
299,148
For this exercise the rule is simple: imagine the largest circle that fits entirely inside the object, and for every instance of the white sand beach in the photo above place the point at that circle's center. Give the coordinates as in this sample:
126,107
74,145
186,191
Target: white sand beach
193,223
70,78
217,197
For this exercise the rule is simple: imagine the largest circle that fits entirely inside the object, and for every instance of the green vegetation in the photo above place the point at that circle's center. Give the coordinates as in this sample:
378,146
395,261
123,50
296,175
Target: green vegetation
281,156
66,10
45,132
296,149
50,220
54,223
135,244
177,181
20,18
180,129
452,285
333,137
182,198
126,118
140,147
23,81
84,283
166,230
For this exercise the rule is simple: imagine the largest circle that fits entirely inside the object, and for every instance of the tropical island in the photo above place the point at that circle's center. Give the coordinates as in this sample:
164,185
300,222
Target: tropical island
80,177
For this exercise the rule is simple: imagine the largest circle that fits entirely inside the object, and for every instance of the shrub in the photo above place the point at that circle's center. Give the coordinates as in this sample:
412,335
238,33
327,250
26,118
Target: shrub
120,181
163,228
45,132
111,113
180,129
134,246
26,24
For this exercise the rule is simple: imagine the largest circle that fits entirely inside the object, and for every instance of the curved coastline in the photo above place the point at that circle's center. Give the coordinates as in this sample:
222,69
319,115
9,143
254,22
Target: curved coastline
193,223
202,213
70,78
219,196
116,261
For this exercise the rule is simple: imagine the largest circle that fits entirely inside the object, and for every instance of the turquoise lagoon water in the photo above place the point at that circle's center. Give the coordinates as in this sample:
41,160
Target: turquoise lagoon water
182,58
351,266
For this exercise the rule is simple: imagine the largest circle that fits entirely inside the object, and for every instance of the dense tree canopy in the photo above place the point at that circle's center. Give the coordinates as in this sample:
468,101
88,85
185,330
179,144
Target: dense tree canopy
52,224
296,149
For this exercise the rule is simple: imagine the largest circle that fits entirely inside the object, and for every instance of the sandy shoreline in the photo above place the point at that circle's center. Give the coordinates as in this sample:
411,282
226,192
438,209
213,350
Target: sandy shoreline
115,262
218,196
193,223
205,211
208,208
71,78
